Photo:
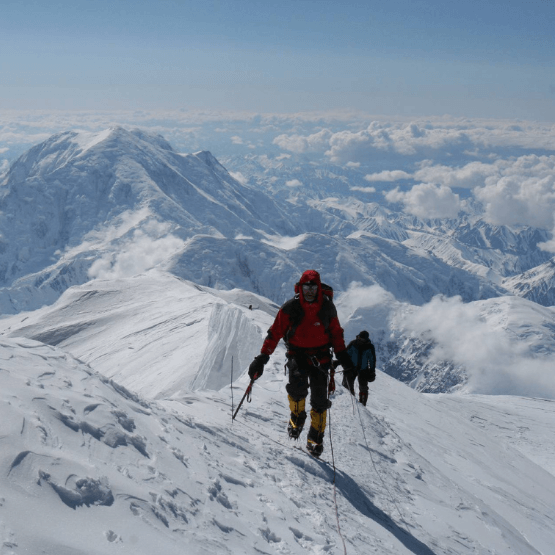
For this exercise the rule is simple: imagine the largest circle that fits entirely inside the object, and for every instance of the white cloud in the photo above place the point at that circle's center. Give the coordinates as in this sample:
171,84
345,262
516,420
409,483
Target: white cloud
495,362
434,137
522,193
293,183
469,176
352,164
239,177
427,200
301,144
144,249
359,297
405,139
236,140
364,189
549,246
394,175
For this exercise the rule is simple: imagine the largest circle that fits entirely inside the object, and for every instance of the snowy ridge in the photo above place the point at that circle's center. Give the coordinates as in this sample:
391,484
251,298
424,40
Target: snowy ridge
195,332
537,284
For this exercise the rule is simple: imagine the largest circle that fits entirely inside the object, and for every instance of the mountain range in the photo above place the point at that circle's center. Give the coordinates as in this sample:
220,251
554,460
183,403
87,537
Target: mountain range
136,285
116,203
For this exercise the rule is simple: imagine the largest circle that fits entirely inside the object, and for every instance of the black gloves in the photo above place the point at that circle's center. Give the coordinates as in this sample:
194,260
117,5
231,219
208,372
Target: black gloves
368,374
345,360
256,369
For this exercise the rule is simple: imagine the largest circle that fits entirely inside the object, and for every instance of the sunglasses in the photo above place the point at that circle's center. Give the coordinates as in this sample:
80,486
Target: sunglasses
310,287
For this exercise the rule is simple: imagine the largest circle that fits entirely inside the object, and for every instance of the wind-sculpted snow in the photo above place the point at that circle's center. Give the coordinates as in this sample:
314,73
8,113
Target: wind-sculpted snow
155,334
86,466
232,339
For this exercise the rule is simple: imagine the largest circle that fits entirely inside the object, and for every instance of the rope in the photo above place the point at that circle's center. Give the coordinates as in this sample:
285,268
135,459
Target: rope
334,487
379,475
333,464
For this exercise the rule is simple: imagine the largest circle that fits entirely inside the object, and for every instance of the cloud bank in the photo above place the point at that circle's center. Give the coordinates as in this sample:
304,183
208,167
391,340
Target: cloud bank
427,201
496,363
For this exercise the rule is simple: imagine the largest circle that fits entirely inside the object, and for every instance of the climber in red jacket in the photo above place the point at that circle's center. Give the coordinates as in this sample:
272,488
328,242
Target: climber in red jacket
309,326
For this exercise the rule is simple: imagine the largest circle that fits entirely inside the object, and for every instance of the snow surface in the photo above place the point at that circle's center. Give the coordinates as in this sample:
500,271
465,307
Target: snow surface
160,467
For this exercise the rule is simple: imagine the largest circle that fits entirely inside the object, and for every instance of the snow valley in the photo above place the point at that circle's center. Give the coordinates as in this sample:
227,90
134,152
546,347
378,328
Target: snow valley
127,272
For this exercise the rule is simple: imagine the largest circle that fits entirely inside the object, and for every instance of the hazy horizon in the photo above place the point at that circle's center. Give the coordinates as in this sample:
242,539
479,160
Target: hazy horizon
474,59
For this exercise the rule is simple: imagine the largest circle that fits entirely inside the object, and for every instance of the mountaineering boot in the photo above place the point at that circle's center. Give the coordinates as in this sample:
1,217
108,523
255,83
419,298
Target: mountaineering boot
298,417
315,438
363,397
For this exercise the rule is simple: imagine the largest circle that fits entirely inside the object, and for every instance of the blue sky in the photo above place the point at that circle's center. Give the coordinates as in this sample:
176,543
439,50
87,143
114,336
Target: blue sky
487,58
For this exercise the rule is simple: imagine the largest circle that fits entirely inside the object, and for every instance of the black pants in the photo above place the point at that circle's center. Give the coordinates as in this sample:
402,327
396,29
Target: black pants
363,375
302,376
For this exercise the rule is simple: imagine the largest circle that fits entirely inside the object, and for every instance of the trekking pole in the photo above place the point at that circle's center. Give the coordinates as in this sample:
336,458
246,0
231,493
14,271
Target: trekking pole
232,389
247,393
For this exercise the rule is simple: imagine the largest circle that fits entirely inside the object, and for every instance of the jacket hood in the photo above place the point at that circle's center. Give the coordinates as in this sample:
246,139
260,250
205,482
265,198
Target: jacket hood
310,276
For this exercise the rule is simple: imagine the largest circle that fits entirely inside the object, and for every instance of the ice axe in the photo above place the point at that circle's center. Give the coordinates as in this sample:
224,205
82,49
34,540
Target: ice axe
247,394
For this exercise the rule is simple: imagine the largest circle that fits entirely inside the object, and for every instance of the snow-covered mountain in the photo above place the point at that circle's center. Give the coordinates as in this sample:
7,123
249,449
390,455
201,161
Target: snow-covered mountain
114,204
537,284
82,205
469,242
80,198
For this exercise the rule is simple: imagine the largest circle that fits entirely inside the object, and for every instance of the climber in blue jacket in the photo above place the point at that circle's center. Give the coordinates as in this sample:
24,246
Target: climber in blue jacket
363,354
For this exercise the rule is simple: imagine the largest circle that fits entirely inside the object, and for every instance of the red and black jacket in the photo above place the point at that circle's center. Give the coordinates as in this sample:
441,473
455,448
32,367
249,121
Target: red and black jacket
310,327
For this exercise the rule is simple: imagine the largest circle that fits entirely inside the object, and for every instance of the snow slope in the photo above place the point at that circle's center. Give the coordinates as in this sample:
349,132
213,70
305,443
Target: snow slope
415,473
116,397
537,284
88,467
